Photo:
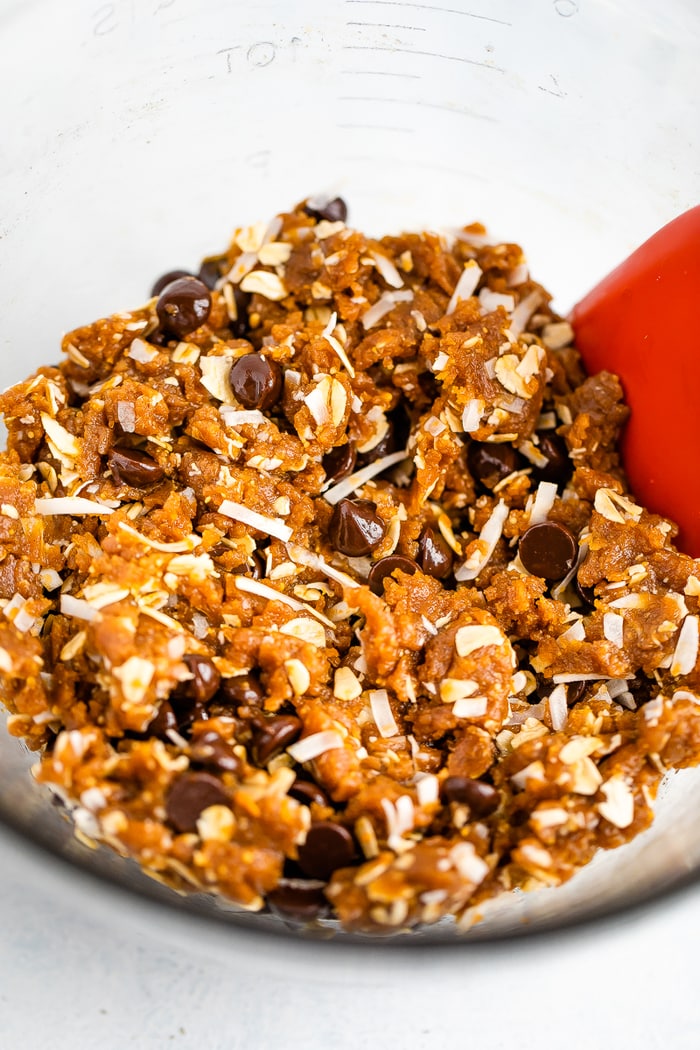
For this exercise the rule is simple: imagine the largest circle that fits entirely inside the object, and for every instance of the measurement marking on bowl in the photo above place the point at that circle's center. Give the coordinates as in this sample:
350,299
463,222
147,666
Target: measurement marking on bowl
386,25
444,107
440,10
424,54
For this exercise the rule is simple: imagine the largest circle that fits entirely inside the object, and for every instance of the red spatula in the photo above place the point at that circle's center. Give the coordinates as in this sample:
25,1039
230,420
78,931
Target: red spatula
642,322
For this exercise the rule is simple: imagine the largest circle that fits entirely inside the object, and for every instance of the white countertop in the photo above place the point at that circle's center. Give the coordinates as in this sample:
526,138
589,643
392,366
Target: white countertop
80,969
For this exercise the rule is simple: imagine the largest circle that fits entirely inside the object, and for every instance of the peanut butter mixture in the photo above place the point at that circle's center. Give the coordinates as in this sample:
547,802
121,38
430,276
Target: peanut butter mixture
321,588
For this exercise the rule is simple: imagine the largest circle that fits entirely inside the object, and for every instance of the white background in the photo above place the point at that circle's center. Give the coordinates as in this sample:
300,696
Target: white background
83,969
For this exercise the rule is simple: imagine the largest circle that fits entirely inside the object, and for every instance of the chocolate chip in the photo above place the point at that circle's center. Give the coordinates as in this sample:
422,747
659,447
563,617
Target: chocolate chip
396,436
168,278
387,567
256,381
328,846
183,306
574,692
254,567
548,550
334,210
210,271
435,555
241,689
189,795
210,749
165,720
306,792
482,799
299,899
340,462
355,527
559,467
131,467
490,462
586,594
239,326
273,736
205,679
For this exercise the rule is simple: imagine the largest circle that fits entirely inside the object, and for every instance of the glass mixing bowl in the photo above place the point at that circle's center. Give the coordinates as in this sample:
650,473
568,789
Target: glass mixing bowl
137,133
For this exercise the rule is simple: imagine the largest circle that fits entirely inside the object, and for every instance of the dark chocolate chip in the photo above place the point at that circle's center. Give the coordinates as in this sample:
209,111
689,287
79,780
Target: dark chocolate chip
205,679
435,555
165,720
242,689
387,567
482,799
211,750
559,467
256,381
574,692
210,272
254,567
302,900
355,527
274,735
168,278
586,594
189,795
183,306
239,326
334,210
340,462
306,791
548,550
395,437
328,846
186,709
131,467
490,462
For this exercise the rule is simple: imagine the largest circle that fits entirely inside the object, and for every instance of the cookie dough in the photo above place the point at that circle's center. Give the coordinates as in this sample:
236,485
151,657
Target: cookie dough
322,589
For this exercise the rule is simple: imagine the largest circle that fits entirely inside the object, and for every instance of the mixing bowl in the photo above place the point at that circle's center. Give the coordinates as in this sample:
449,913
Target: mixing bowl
137,133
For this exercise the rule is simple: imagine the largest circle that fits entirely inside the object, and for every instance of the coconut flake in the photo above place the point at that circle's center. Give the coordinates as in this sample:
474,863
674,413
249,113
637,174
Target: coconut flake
475,636
558,709
575,633
399,819
78,608
135,676
523,312
264,283
544,501
468,863
387,269
141,351
238,417
126,415
174,547
360,477
383,306
310,747
50,505
65,443
492,300
314,561
618,807
489,537
559,589
466,285
613,628
472,707
216,370
272,526
335,345
244,583
306,629
471,416
686,652
382,713
576,677
427,788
